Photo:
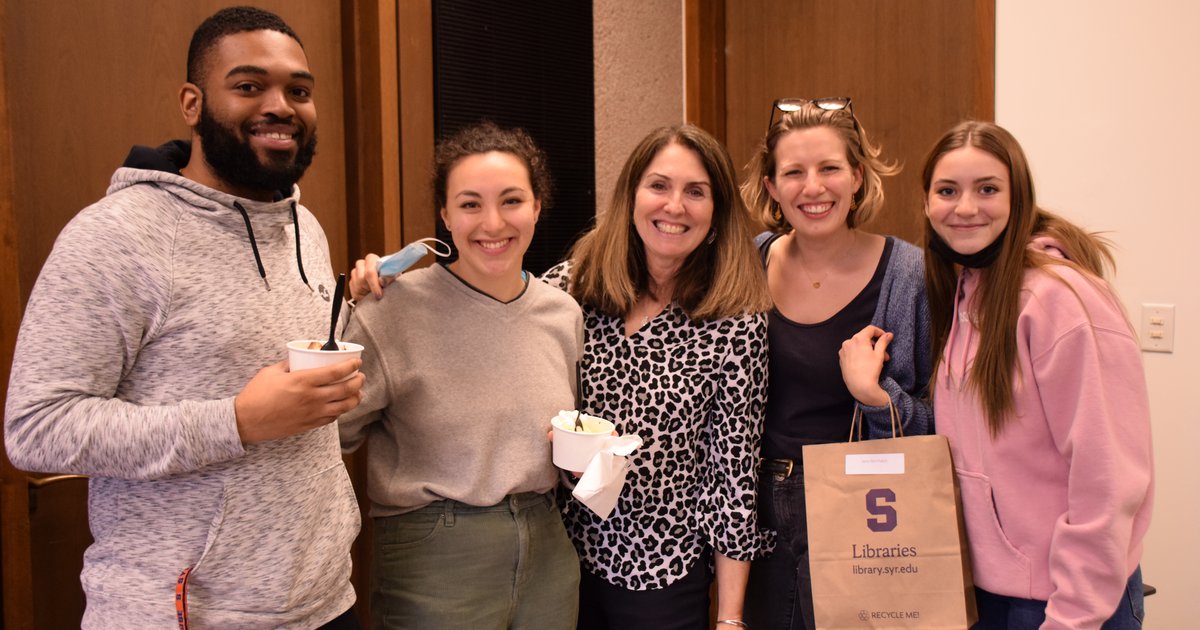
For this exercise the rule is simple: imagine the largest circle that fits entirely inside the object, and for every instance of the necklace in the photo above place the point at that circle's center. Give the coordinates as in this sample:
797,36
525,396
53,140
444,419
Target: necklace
816,284
655,307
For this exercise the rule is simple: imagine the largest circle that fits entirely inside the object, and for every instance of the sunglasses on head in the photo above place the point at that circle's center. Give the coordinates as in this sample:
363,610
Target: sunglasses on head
828,103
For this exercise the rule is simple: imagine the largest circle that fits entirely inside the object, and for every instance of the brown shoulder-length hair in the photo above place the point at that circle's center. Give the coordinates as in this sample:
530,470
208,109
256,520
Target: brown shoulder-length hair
861,153
719,279
998,299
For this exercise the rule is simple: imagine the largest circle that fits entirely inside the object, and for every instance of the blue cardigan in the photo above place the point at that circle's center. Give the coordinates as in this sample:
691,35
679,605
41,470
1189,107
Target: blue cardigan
903,311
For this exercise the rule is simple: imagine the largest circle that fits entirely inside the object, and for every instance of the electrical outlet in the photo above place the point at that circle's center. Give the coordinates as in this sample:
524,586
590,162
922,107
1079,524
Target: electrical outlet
1158,327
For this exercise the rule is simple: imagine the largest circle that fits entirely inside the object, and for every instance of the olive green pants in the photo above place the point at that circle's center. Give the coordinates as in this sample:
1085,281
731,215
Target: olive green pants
450,565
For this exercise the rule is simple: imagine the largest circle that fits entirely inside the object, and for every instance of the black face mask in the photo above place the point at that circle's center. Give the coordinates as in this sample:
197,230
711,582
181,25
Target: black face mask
980,259
235,163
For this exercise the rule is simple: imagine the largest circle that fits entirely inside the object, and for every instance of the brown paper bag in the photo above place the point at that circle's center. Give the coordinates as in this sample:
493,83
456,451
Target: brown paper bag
887,544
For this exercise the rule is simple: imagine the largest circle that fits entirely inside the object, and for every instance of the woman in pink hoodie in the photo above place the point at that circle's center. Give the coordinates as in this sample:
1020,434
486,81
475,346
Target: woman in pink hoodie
1038,385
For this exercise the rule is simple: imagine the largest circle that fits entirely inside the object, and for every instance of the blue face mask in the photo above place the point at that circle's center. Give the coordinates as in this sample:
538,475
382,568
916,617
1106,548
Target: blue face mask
398,263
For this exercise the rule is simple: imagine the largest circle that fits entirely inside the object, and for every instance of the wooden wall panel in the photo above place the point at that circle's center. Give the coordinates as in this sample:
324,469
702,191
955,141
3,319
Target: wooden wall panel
16,580
98,77
415,49
913,68
704,62
372,127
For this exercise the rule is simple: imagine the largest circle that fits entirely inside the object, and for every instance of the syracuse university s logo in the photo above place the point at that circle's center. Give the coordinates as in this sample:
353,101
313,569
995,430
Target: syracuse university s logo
883,515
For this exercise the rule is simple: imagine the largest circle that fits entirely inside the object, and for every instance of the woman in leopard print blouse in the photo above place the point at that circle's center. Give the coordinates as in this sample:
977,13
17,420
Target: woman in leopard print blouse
675,352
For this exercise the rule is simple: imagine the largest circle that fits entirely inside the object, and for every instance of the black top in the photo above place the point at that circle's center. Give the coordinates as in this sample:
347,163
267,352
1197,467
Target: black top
807,400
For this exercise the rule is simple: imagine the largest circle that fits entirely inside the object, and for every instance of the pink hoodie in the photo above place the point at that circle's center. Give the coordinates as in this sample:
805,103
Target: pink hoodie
1057,505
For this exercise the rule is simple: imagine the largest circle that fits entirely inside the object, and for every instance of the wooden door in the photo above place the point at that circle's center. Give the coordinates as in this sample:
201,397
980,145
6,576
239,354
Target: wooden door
80,82
914,68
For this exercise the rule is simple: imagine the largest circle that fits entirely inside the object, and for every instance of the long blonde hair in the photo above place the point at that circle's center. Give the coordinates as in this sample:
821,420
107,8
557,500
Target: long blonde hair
1000,283
719,279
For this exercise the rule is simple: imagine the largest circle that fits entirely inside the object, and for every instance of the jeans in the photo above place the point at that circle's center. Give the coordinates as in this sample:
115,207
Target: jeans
779,593
452,565
1000,612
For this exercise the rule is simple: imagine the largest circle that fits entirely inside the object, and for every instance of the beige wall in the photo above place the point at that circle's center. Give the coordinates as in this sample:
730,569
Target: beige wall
1102,95
638,47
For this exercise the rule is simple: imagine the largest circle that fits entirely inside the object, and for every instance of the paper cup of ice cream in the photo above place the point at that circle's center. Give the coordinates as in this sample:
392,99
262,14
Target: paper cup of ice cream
306,354
573,448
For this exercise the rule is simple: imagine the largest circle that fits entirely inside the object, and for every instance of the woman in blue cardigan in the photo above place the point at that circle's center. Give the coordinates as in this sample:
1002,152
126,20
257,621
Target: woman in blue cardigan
850,325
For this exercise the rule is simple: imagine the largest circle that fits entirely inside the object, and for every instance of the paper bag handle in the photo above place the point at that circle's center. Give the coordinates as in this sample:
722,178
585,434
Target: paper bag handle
856,421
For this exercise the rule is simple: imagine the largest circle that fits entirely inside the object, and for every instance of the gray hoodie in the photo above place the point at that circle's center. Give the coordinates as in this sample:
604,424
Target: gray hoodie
148,318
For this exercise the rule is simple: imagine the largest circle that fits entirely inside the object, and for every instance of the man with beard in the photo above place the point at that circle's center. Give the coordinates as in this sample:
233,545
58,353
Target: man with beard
147,361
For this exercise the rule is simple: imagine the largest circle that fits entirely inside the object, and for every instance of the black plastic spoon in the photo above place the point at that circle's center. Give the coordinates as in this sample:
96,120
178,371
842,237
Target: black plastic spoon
337,310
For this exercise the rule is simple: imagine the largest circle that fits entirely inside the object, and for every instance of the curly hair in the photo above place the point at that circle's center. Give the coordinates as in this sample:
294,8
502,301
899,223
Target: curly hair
485,137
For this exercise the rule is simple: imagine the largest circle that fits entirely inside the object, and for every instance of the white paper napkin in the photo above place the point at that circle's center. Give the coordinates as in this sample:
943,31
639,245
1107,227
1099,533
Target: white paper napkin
601,483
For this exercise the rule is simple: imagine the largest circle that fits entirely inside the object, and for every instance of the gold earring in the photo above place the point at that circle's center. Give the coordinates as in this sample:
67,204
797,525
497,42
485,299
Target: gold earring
776,213
853,204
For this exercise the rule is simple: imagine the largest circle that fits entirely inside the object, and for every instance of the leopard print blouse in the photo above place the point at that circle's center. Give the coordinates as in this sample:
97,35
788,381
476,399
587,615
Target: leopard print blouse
695,391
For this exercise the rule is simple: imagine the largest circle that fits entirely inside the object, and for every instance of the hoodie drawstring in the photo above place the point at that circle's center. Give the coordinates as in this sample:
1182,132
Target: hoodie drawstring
262,272
299,259
959,320
253,244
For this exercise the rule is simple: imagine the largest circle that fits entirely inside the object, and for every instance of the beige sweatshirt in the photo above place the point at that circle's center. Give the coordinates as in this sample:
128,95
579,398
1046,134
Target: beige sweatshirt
460,390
